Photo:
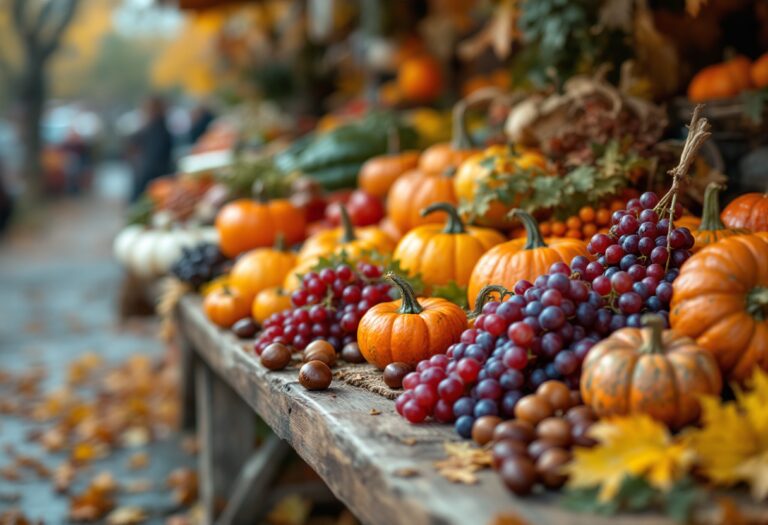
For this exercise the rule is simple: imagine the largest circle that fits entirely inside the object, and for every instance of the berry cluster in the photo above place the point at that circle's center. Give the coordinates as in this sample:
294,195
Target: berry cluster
541,333
200,264
328,305
637,260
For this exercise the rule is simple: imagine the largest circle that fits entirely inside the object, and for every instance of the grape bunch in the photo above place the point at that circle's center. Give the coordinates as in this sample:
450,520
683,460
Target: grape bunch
637,260
540,333
200,264
328,305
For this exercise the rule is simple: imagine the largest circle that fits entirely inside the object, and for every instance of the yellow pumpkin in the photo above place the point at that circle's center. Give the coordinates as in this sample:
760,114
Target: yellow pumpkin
261,268
269,301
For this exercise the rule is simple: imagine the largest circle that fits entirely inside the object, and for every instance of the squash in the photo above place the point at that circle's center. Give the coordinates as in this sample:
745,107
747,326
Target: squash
507,263
759,72
150,253
378,174
495,160
444,254
261,268
720,299
226,305
747,211
245,224
409,329
269,301
650,371
712,228
419,79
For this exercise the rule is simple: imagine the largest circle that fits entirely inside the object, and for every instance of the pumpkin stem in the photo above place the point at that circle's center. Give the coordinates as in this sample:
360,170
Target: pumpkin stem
410,303
454,223
461,139
655,324
485,295
757,303
348,229
533,234
710,214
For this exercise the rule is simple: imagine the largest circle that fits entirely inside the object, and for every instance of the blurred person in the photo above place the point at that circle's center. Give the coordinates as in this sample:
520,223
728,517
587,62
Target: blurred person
152,146
202,116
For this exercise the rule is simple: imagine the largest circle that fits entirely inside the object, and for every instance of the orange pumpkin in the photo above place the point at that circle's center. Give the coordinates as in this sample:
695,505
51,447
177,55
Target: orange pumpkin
740,68
269,301
507,263
419,79
409,329
720,299
747,211
444,254
713,82
650,371
261,268
759,72
378,174
688,221
245,224
712,228
226,305
499,160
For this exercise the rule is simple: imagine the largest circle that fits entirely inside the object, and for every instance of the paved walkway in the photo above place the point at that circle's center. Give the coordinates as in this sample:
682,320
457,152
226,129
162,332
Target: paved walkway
58,296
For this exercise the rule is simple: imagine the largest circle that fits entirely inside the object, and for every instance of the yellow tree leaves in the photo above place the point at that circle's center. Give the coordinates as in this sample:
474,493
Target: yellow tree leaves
732,445
635,446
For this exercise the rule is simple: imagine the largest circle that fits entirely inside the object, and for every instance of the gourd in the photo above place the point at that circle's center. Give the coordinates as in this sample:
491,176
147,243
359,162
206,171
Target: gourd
712,228
747,211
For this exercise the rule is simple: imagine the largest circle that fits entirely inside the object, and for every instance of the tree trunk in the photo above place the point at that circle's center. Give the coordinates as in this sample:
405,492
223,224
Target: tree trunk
32,90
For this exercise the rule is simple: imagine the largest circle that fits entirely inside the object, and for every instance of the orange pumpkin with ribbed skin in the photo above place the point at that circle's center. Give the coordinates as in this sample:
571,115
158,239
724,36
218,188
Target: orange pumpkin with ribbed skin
740,67
226,305
713,82
507,263
409,329
747,211
650,371
480,167
688,221
269,301
720,299
420,79
245,224
712,228
415,191
378,174
444,254
261,268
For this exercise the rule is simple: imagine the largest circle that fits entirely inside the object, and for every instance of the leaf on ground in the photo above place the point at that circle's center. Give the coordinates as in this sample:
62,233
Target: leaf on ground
291,510
139,460
126,516
183,482
463,461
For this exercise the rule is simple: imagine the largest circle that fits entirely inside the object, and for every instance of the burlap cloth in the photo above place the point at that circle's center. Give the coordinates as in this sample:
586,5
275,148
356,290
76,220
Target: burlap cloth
366,377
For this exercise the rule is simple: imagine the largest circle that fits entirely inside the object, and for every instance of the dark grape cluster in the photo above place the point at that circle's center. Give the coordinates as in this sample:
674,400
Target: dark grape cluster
328,305
200,264
540,333
637,260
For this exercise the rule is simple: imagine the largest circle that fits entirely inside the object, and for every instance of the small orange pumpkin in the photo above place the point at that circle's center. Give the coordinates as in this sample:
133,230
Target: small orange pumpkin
420,79
712,228
245,224
261,268
226,305
650,371
378,174
269,301
747,211
720,299
759,72
507,263
409,329
444,254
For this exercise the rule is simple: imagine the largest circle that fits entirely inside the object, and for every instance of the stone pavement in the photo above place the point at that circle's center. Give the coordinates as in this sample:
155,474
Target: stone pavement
58,298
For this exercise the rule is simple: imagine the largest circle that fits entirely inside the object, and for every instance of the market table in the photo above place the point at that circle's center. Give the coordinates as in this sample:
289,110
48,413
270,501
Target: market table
380,466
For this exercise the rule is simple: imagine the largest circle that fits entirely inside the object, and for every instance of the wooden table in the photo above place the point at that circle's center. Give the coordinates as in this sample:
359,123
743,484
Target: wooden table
360,456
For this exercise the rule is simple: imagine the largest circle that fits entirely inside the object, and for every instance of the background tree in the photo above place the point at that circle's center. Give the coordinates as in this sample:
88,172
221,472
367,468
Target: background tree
38,27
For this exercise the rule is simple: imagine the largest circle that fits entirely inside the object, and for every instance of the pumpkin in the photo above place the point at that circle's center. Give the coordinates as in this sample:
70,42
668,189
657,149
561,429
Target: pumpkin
261,268
419,79
479,168
245,224
378,174
712,82
409,329
226,305
747,211
740,67
712,228
269,301
444,254
720,299
688,221
650,371
527,258
759,72
150,253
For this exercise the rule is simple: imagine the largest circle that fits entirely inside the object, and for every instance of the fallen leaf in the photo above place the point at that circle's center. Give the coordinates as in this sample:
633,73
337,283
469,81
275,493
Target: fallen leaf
463,461
374,412
183,482
63,475
190,445
139,460
126,516
291,510
10,473
507,519
408,441
137,486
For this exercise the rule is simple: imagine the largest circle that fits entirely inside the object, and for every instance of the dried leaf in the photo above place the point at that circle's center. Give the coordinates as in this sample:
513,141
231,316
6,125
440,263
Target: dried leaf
183,482
139,460
126,516
374,412
95,501
137,486
291,510
63,475
406,472
462,462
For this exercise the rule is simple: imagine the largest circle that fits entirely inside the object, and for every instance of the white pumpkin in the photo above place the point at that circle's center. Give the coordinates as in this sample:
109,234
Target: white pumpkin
149,253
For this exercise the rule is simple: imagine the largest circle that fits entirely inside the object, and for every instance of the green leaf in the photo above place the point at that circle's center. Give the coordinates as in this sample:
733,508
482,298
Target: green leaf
681,499
452,292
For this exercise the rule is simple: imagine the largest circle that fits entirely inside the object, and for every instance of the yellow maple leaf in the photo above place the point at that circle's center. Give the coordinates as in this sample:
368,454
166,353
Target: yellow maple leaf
634,446
732,445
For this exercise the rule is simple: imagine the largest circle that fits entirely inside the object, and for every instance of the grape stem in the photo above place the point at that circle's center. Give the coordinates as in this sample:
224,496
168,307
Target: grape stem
698,133
454,225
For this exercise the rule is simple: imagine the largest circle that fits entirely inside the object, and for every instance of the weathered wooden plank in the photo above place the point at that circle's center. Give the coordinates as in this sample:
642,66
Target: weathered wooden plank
359,455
